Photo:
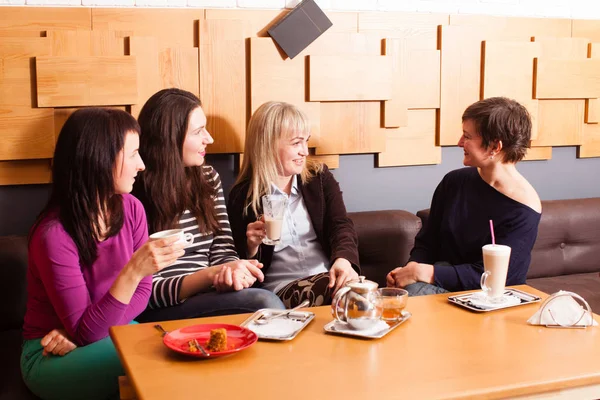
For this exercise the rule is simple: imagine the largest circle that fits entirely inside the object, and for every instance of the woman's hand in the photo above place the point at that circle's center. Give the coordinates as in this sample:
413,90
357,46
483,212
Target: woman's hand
340,273
255,232
154,255
56,342
411,273
238,275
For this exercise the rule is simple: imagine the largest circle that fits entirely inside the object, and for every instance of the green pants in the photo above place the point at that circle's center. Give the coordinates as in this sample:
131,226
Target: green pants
89,372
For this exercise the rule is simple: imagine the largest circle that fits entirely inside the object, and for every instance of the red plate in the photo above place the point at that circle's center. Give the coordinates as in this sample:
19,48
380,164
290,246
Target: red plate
238,338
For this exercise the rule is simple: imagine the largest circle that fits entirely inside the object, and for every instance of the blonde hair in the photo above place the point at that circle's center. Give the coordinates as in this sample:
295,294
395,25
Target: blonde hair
269,123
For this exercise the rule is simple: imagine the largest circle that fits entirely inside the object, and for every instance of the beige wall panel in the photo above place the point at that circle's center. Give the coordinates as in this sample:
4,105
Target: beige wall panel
86,81
343,44
568,79
512,26
332,160
591,141
413,144
423,79
586,28
352,127
275,78
556,47
560,123
24,47
420,30
44,18
538,153
22,34
340,78
148,74
223,83
261,20
508,71
592,111
178,67
170,27
26,133
395,110
25,172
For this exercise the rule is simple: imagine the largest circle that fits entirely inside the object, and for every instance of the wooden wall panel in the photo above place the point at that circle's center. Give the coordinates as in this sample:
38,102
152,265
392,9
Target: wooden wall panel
507,69
413,144
145,50
25,172
586,28
561,47
514,27
275,78
568,79
332,161
424,79
592,106
171,28
44,18
352,127
86,81
538,154
86,43
223,82
343,78
345,44
26,133
591,141
560,123
395,110
178,67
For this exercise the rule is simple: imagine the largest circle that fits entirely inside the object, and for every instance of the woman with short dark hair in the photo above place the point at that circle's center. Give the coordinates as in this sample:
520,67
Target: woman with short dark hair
179,190
90,266
447,255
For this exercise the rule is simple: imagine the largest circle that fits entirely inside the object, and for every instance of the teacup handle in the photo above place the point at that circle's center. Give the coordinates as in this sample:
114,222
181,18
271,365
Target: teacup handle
336,302
486,289
188,238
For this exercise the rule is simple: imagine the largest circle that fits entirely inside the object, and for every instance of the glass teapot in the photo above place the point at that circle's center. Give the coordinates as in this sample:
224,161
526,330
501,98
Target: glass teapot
358,304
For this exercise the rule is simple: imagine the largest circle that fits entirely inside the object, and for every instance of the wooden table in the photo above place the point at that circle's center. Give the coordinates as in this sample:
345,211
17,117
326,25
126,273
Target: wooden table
442,352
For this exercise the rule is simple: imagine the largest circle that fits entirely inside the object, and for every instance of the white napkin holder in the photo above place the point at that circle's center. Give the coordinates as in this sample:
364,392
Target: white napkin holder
564,310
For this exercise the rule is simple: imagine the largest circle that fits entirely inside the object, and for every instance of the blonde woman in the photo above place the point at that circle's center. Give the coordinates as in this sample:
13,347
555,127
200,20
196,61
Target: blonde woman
318,251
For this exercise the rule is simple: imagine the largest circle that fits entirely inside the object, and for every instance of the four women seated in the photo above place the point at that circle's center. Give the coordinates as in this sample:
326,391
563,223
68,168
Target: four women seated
91,265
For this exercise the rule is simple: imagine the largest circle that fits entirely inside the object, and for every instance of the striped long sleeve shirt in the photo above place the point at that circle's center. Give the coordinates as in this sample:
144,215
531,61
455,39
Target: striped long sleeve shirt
207,250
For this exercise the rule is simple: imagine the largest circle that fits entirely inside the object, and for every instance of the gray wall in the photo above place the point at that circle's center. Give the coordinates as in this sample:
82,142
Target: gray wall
365,187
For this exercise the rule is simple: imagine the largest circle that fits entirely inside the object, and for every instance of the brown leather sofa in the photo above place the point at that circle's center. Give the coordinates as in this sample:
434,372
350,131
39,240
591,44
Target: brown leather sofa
566,254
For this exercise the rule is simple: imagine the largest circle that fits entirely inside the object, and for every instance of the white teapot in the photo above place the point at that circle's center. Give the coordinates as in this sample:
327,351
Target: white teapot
358,304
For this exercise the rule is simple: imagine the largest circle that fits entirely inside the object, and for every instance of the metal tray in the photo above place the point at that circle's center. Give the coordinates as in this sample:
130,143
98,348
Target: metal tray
330,328
281,328
463,300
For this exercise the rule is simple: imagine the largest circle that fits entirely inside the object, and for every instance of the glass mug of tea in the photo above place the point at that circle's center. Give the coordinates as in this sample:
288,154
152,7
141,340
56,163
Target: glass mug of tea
392,302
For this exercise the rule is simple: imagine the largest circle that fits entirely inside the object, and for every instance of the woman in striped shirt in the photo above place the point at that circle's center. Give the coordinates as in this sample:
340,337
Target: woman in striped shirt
179,191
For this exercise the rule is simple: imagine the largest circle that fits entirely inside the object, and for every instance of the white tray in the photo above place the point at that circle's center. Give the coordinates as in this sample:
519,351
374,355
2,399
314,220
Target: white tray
347,331
280,328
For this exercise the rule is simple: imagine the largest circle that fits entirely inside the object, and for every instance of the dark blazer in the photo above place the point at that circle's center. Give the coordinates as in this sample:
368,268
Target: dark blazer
325,205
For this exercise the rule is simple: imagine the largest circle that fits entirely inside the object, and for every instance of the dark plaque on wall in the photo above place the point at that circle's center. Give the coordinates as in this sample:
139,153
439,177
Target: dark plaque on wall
300,27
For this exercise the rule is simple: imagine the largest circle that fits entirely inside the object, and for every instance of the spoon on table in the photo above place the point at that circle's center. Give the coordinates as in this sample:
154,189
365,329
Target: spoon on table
162,330
265,320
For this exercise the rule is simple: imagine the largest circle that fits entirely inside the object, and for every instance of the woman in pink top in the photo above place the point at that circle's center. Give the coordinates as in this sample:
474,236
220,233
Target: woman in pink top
90,266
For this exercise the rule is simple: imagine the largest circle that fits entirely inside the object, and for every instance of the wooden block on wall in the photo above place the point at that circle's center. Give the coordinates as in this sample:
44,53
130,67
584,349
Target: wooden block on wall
395,110
146,53
586,28
350,128
86,81
331,160
26,133
568,79
592,106
512,26
424,79
562,47
342,78
345,44
62,114
223,82
86,43
13,47
25,172
45,18
538,154
178,67
273,78
507,69
591,141
16,84
560,123
413,144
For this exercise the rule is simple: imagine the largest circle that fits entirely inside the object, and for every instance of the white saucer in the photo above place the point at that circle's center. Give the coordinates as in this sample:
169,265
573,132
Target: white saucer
480,300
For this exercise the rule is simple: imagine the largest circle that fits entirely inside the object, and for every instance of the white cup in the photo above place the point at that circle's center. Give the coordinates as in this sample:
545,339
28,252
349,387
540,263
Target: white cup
496,258
184,238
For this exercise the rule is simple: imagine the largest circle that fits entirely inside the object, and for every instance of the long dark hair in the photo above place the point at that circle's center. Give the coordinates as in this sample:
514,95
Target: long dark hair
167,188
83,187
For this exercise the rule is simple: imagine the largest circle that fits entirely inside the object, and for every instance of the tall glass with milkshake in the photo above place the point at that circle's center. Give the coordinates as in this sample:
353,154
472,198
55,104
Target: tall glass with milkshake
274,206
